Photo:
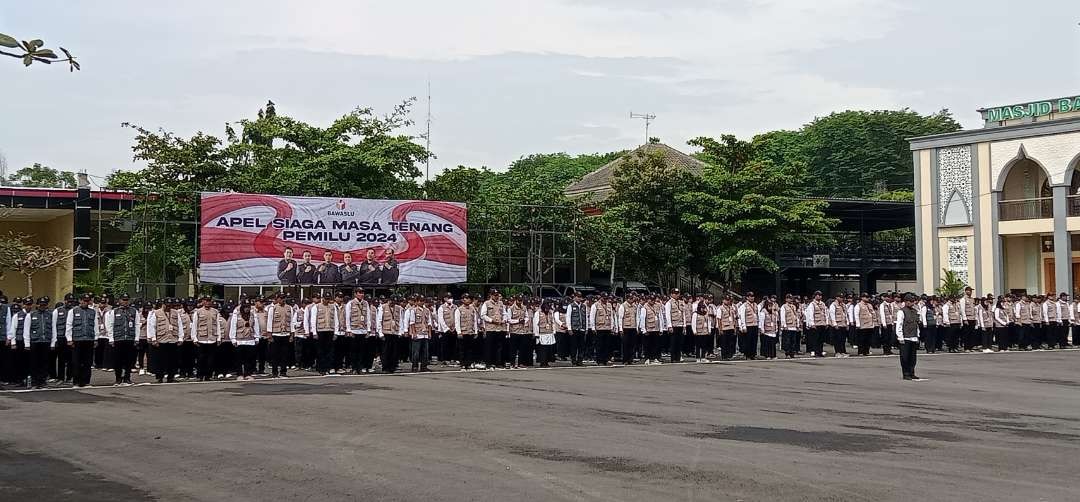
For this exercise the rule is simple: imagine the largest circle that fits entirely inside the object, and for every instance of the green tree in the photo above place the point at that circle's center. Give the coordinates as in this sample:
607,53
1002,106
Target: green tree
855,153
41,176
460,184
359,155
746,209
35,51
642,204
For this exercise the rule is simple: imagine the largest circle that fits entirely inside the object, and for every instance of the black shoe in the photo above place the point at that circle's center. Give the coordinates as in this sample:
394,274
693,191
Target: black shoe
908,377
170,380
160,380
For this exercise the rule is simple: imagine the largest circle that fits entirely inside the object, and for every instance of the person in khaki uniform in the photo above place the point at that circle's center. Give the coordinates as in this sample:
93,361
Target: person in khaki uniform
163,329
444,317
494,316
417,322
626,322
789,326
358,325
651,322
388,319
519,331
675,313
323,321
205,331
279,325
602,322
467,325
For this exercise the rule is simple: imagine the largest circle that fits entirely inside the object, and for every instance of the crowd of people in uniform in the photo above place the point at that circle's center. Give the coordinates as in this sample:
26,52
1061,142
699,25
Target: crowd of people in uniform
348,332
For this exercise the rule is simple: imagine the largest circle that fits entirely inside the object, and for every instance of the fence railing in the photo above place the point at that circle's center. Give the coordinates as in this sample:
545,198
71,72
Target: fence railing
1026,209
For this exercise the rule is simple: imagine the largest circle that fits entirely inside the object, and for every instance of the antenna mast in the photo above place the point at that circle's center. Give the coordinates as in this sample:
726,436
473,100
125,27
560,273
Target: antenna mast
649,117
427,136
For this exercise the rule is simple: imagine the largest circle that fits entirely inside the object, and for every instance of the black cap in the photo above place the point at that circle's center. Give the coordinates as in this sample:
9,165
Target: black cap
70,297
44,300
125,296
27,301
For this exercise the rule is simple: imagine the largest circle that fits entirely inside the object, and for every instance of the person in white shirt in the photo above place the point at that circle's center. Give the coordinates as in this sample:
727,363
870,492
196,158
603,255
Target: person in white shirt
444,322
906,332
701,327
769,327
543,324
243,331
747,315
817,321
675,313
789,326
279,322
467,326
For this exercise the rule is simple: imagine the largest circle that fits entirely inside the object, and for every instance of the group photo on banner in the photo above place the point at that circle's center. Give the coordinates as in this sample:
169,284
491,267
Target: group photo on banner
254,239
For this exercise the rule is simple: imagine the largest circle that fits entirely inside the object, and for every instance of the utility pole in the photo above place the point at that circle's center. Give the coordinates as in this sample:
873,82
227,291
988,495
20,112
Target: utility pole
649,117
427,136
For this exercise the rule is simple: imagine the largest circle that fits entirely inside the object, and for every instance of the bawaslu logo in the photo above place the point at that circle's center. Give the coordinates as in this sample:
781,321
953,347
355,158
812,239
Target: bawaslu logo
341,210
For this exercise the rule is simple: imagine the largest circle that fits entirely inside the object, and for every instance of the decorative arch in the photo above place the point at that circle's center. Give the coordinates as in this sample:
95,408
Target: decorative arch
1072,172
956,210
1021,155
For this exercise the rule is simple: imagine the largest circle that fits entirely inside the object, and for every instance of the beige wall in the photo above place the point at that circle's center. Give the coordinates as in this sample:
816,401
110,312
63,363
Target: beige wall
56,232
925,213
988,274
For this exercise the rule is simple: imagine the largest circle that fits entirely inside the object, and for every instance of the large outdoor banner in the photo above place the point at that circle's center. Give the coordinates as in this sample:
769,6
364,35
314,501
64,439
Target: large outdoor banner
268,239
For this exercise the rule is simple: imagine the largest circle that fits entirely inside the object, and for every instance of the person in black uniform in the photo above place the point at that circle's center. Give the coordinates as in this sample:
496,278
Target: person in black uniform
327,272
369,269
286,269
907,336
390,272
350,273
305,274
38,339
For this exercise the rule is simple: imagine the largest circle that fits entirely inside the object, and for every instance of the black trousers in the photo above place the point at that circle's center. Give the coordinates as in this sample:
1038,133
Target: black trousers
577,346
814,343
864,338
100,347
930,338
39,363
987,338
789,342
652,345
603,346
342,348
750,344
245,357
82,358
562,344
369,347
142,354
969,335
279,354
888,339
123,359
326,351
728,342
768,346
447,346
419,354
677,333
545,355
466,350
519,348
206,361
702,345
168,358
629,345
493,346
952,334
262,353
839,339
60,364
225,359
186,359
1001,336
908,351
389,356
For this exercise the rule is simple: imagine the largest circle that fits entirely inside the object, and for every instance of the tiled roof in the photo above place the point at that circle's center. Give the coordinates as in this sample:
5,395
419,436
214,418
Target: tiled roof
598,182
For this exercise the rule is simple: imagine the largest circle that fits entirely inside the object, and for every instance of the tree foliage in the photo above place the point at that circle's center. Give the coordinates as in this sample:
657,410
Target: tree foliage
855,153
40,176
746,209
35,51
360,155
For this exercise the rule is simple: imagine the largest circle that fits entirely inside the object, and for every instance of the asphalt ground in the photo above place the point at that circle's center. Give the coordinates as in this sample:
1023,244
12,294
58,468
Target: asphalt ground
1001,426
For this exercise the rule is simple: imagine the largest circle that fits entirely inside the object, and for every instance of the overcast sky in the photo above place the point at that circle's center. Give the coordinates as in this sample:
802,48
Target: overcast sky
510,78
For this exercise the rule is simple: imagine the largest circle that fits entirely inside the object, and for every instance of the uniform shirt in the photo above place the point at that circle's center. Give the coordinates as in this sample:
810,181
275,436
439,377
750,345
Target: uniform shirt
328,273
602,312
243,332
77,311
864,315
789,318
444,317
466,320
279,319
175,317
899,330
768,321
414,320
391,313
305,273
358,323
814,315
494,315
331,321
110,321
838,314
213,327
674,314
747,315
